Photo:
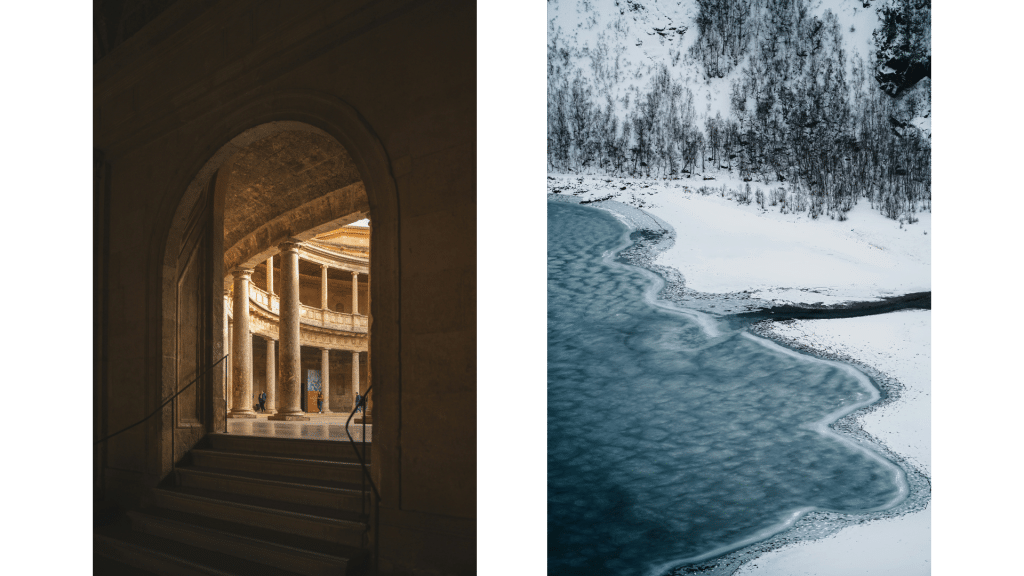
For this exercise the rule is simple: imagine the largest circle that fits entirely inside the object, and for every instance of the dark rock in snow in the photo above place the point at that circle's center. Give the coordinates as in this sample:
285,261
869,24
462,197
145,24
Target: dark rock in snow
896,122
900,74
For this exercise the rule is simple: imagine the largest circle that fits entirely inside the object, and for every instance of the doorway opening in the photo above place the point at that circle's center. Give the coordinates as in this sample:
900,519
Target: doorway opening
333,371
289,198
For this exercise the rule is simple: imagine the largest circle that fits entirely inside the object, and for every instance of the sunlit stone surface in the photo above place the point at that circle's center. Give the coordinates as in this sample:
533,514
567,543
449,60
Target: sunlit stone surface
314,429
666,445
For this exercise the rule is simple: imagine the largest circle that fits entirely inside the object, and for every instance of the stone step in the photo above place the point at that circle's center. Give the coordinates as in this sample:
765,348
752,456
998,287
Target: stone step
163,557
267,547
337,451
332,496
348,529
102,566
308,469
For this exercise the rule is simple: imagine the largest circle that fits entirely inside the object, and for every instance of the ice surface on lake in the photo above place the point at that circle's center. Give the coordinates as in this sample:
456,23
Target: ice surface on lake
667,446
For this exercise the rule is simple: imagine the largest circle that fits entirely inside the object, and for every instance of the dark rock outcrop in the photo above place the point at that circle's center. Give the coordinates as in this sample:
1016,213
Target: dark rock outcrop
900,74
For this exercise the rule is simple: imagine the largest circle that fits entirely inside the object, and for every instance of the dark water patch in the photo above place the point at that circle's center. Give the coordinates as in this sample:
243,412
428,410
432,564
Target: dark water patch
669,442
821,524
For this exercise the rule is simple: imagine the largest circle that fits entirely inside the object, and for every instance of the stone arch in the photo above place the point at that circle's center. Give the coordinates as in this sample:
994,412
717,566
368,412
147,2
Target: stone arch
300,111
294,183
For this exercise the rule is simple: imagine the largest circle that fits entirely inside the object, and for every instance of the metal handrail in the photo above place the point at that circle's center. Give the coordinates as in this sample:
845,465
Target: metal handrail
155,412
366,473
362,463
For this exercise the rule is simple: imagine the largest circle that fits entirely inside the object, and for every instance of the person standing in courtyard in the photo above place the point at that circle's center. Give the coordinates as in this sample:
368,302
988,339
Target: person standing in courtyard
359,403
320,401
263,401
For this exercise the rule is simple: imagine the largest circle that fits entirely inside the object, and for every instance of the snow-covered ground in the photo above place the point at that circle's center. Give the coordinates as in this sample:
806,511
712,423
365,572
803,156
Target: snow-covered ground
898,546
899,345
724,247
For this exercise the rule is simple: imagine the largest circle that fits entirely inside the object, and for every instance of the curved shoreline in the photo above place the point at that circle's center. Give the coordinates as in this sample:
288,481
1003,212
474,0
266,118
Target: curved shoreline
648,241
652,235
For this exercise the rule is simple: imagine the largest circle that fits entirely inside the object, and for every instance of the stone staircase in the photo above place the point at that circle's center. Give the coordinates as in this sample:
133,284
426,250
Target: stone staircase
245,505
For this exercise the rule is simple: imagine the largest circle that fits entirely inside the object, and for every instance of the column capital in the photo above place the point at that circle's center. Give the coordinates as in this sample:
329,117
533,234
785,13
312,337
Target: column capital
238,273
354,273
289,246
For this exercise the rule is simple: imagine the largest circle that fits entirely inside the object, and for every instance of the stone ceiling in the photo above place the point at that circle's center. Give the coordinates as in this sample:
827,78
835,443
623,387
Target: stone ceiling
280,173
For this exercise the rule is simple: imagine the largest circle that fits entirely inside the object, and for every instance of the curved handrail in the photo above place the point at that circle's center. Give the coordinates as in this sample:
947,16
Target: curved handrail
362,463
366,475
109,436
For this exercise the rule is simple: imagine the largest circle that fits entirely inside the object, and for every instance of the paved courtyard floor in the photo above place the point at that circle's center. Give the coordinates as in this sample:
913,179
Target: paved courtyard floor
318,427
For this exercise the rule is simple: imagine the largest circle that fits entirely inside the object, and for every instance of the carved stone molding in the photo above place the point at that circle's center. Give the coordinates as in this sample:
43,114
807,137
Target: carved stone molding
308,315
264,324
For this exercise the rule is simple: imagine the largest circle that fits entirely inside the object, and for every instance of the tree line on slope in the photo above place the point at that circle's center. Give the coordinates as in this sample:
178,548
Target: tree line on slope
794,116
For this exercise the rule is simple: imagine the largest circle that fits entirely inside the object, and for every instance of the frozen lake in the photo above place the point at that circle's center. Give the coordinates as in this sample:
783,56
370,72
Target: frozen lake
672,439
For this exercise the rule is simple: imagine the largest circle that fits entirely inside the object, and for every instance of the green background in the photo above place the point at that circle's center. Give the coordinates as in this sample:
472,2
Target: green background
45,206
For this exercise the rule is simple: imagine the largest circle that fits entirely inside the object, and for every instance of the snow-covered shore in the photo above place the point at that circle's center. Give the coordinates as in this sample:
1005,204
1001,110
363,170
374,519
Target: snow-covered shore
898,345
727,250
723,247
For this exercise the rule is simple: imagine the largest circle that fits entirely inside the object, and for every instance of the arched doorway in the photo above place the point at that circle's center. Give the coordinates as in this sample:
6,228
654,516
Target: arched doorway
305,177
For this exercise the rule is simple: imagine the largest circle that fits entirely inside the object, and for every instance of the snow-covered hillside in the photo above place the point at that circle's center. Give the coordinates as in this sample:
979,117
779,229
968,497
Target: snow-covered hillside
831,96
621,44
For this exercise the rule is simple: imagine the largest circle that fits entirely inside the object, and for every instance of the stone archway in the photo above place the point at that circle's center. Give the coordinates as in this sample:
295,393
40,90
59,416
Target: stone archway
283,117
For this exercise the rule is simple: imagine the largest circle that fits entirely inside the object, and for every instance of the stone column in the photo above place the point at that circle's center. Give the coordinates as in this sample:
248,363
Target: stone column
271,378
242,347
270,276
325,378
323,287
355,376
290,362
355,292
227,350
231,365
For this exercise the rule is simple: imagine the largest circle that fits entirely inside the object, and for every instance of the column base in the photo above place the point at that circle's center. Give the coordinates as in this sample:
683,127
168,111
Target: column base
242,414
289,417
